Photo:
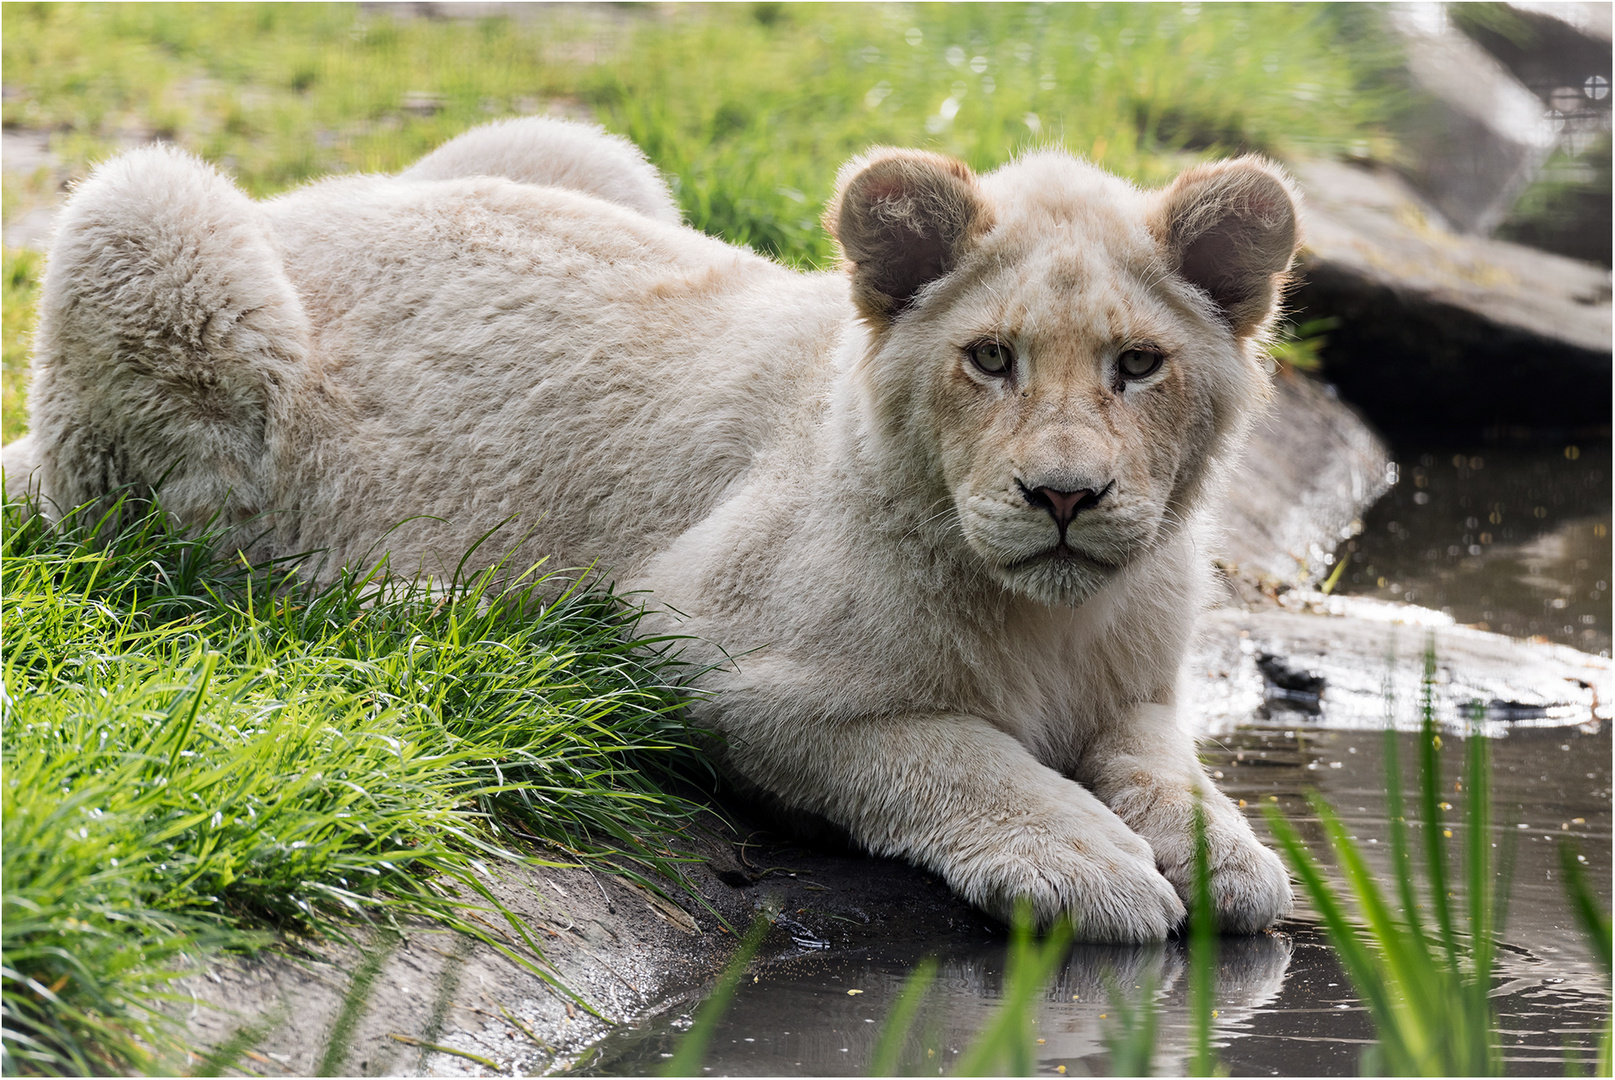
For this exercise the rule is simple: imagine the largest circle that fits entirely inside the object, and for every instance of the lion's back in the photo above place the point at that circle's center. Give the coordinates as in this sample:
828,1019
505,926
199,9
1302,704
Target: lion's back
491,349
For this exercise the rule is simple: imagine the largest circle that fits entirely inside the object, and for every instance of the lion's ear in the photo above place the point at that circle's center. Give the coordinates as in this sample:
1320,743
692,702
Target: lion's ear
1230,228
903,219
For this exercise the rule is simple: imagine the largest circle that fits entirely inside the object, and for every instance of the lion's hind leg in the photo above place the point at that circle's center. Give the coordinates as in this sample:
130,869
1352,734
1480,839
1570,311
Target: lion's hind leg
170,343
554,153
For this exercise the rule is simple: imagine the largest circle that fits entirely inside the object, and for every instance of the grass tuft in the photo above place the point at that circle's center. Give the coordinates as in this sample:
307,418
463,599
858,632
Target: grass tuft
1202,951
198,753
894,1033
1426,987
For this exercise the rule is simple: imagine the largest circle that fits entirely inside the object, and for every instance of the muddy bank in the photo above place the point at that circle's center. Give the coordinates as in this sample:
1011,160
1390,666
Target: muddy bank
441,1004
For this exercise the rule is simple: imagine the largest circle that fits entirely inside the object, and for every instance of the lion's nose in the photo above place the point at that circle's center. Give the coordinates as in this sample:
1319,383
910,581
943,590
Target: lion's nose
1064,506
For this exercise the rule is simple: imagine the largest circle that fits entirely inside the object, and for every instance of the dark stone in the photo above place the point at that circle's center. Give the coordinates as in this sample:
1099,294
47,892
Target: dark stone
1442,331
1542,50
1311,468
1280,675
1412,362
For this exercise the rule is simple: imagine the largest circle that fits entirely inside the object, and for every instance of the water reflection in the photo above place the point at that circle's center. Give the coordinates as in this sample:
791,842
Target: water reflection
1283,1004
1510,539
807,1016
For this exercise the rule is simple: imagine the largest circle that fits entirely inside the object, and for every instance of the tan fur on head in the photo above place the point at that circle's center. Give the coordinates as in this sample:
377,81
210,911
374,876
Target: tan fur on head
948,509
903,219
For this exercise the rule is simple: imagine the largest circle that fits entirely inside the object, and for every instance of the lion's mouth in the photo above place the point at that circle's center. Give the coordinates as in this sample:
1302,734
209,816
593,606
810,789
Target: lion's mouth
1059,555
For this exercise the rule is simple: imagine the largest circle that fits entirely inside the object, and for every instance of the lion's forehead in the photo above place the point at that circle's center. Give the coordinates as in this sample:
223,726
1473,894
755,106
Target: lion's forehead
1062,298
1054,186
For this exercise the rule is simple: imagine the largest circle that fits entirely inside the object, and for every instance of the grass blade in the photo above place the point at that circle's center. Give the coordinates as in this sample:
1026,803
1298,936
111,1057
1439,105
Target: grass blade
686,1059
894,1033
340,1040
1004,1046
1131,1041
1430,797
1202,951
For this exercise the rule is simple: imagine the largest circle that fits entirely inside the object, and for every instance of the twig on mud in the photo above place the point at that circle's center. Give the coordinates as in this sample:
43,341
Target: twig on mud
438,1048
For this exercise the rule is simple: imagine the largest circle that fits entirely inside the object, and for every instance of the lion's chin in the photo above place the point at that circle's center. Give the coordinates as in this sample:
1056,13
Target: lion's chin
1059,577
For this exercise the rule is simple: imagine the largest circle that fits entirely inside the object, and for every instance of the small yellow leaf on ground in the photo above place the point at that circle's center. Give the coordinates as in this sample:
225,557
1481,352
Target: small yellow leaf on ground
852,992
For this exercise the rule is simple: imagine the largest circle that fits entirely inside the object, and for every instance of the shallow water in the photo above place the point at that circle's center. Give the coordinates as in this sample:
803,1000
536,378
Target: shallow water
1510,539
1284,1007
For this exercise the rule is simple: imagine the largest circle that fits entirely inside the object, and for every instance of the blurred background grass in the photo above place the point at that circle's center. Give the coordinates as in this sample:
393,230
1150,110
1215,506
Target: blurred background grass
748,109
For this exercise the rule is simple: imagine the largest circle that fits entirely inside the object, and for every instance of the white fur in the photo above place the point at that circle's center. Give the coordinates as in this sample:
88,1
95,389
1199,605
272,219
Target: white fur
831,499
556,153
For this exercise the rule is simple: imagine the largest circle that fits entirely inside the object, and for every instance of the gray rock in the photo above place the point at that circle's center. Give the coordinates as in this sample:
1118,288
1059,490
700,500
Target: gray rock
1439,329
1311,468
1369,224
1474,136
1342,654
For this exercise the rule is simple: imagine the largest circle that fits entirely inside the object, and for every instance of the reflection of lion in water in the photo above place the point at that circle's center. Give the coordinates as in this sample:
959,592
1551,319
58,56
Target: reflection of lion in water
942,505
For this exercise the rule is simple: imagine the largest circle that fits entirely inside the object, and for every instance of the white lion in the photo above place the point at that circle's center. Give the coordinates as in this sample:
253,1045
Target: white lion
945,506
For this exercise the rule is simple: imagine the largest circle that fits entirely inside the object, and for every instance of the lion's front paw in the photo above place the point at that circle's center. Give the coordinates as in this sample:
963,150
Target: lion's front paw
1104,879
1250,888
1249,885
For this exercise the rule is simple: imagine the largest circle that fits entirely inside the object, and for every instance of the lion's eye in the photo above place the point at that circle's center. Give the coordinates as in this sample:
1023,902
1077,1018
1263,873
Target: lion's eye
1138,363
992,357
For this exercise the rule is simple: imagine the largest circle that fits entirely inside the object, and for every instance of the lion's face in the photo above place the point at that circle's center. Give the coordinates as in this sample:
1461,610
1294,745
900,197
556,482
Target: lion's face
1062,381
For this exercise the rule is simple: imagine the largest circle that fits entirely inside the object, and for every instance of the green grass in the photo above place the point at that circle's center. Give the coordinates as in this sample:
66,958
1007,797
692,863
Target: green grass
736,103
1424,973
19,281
196,753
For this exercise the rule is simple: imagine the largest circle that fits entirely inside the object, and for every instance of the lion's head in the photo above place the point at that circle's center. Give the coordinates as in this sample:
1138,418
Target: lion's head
1061,355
